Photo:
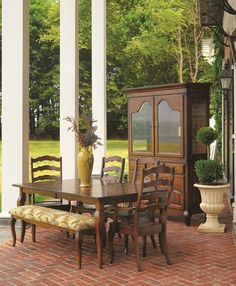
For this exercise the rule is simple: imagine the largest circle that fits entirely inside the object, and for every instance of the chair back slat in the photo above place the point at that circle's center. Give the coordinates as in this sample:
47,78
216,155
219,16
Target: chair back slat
112,169
113,159
46,158
116,169
48,178
46,168
111,179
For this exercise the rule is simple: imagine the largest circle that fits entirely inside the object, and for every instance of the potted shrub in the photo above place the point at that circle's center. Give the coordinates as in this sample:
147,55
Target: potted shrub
211,184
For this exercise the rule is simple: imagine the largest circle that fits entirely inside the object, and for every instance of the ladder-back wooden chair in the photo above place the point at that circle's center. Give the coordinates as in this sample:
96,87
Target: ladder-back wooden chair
112,171
47,168
150,218
124,211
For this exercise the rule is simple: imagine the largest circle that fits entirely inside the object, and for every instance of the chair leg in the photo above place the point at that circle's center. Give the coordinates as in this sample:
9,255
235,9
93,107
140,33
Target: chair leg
126,243
33,199
79,238
165,249
111,234
168,260
136,245
153,241
13,230
104,236
23,228
33,230
161,243
144,245
163,240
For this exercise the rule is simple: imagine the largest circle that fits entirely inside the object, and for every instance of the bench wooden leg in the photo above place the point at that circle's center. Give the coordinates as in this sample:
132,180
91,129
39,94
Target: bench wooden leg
23,228
79,238
13,230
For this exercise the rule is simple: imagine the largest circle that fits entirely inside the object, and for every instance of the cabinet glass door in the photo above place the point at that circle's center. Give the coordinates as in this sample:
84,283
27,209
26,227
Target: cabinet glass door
141,129
169,137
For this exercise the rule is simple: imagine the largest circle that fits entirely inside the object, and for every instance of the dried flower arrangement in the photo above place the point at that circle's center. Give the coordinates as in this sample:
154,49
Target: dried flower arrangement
85,131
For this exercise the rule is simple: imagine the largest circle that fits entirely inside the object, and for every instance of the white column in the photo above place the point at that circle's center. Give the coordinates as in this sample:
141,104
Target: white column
69,83
99,77
15,100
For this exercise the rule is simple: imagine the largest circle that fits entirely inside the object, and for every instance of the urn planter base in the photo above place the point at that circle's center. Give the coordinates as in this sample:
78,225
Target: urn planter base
212,204
211,225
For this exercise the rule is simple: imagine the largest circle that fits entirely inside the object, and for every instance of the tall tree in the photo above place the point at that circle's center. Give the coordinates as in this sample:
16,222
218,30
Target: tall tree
149,42
44,69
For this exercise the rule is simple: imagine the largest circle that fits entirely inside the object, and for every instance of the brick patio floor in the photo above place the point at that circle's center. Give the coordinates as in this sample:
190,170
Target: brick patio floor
198,259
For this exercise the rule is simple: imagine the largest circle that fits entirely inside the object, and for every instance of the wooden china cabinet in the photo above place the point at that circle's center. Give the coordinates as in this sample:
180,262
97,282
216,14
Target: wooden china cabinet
162,125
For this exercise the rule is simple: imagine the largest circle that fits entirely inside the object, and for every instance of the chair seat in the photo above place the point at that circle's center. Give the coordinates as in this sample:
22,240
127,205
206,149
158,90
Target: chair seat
67,220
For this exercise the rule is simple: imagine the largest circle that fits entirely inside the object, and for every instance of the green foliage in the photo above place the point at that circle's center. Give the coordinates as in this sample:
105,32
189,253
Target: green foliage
216,99
206,135
149,42
209,171
44,69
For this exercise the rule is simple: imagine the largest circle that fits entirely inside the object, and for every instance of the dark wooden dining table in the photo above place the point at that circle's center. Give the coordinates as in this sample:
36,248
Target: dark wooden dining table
99,195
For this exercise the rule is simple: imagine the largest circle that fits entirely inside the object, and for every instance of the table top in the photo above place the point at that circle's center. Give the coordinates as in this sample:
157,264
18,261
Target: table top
71,190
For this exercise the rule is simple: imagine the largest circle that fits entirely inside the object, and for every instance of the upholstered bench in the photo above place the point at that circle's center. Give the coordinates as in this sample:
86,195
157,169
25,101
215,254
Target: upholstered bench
78,224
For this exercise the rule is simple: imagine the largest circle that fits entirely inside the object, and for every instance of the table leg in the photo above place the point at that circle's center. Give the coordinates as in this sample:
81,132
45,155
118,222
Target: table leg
99,223
22,198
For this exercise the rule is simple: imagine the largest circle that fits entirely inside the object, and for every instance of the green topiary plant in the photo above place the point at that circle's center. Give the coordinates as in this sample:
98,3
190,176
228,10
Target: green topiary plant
209,172
206,135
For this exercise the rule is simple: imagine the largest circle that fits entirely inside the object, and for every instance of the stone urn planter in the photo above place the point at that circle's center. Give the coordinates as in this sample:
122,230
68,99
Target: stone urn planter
212,204
211,183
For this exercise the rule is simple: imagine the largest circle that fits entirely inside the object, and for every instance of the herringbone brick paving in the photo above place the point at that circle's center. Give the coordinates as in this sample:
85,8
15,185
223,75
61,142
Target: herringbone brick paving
198,260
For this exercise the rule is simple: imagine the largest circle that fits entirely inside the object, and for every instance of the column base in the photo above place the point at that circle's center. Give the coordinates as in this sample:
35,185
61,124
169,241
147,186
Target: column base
4,215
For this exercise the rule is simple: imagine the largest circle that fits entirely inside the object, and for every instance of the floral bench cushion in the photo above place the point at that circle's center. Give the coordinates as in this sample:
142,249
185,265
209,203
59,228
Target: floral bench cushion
54,217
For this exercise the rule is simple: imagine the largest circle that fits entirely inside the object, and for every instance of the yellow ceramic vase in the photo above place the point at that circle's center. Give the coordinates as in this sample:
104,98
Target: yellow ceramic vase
85,166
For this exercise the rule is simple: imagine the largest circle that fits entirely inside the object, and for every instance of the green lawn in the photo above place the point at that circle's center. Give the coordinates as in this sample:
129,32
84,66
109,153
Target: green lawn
38,148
